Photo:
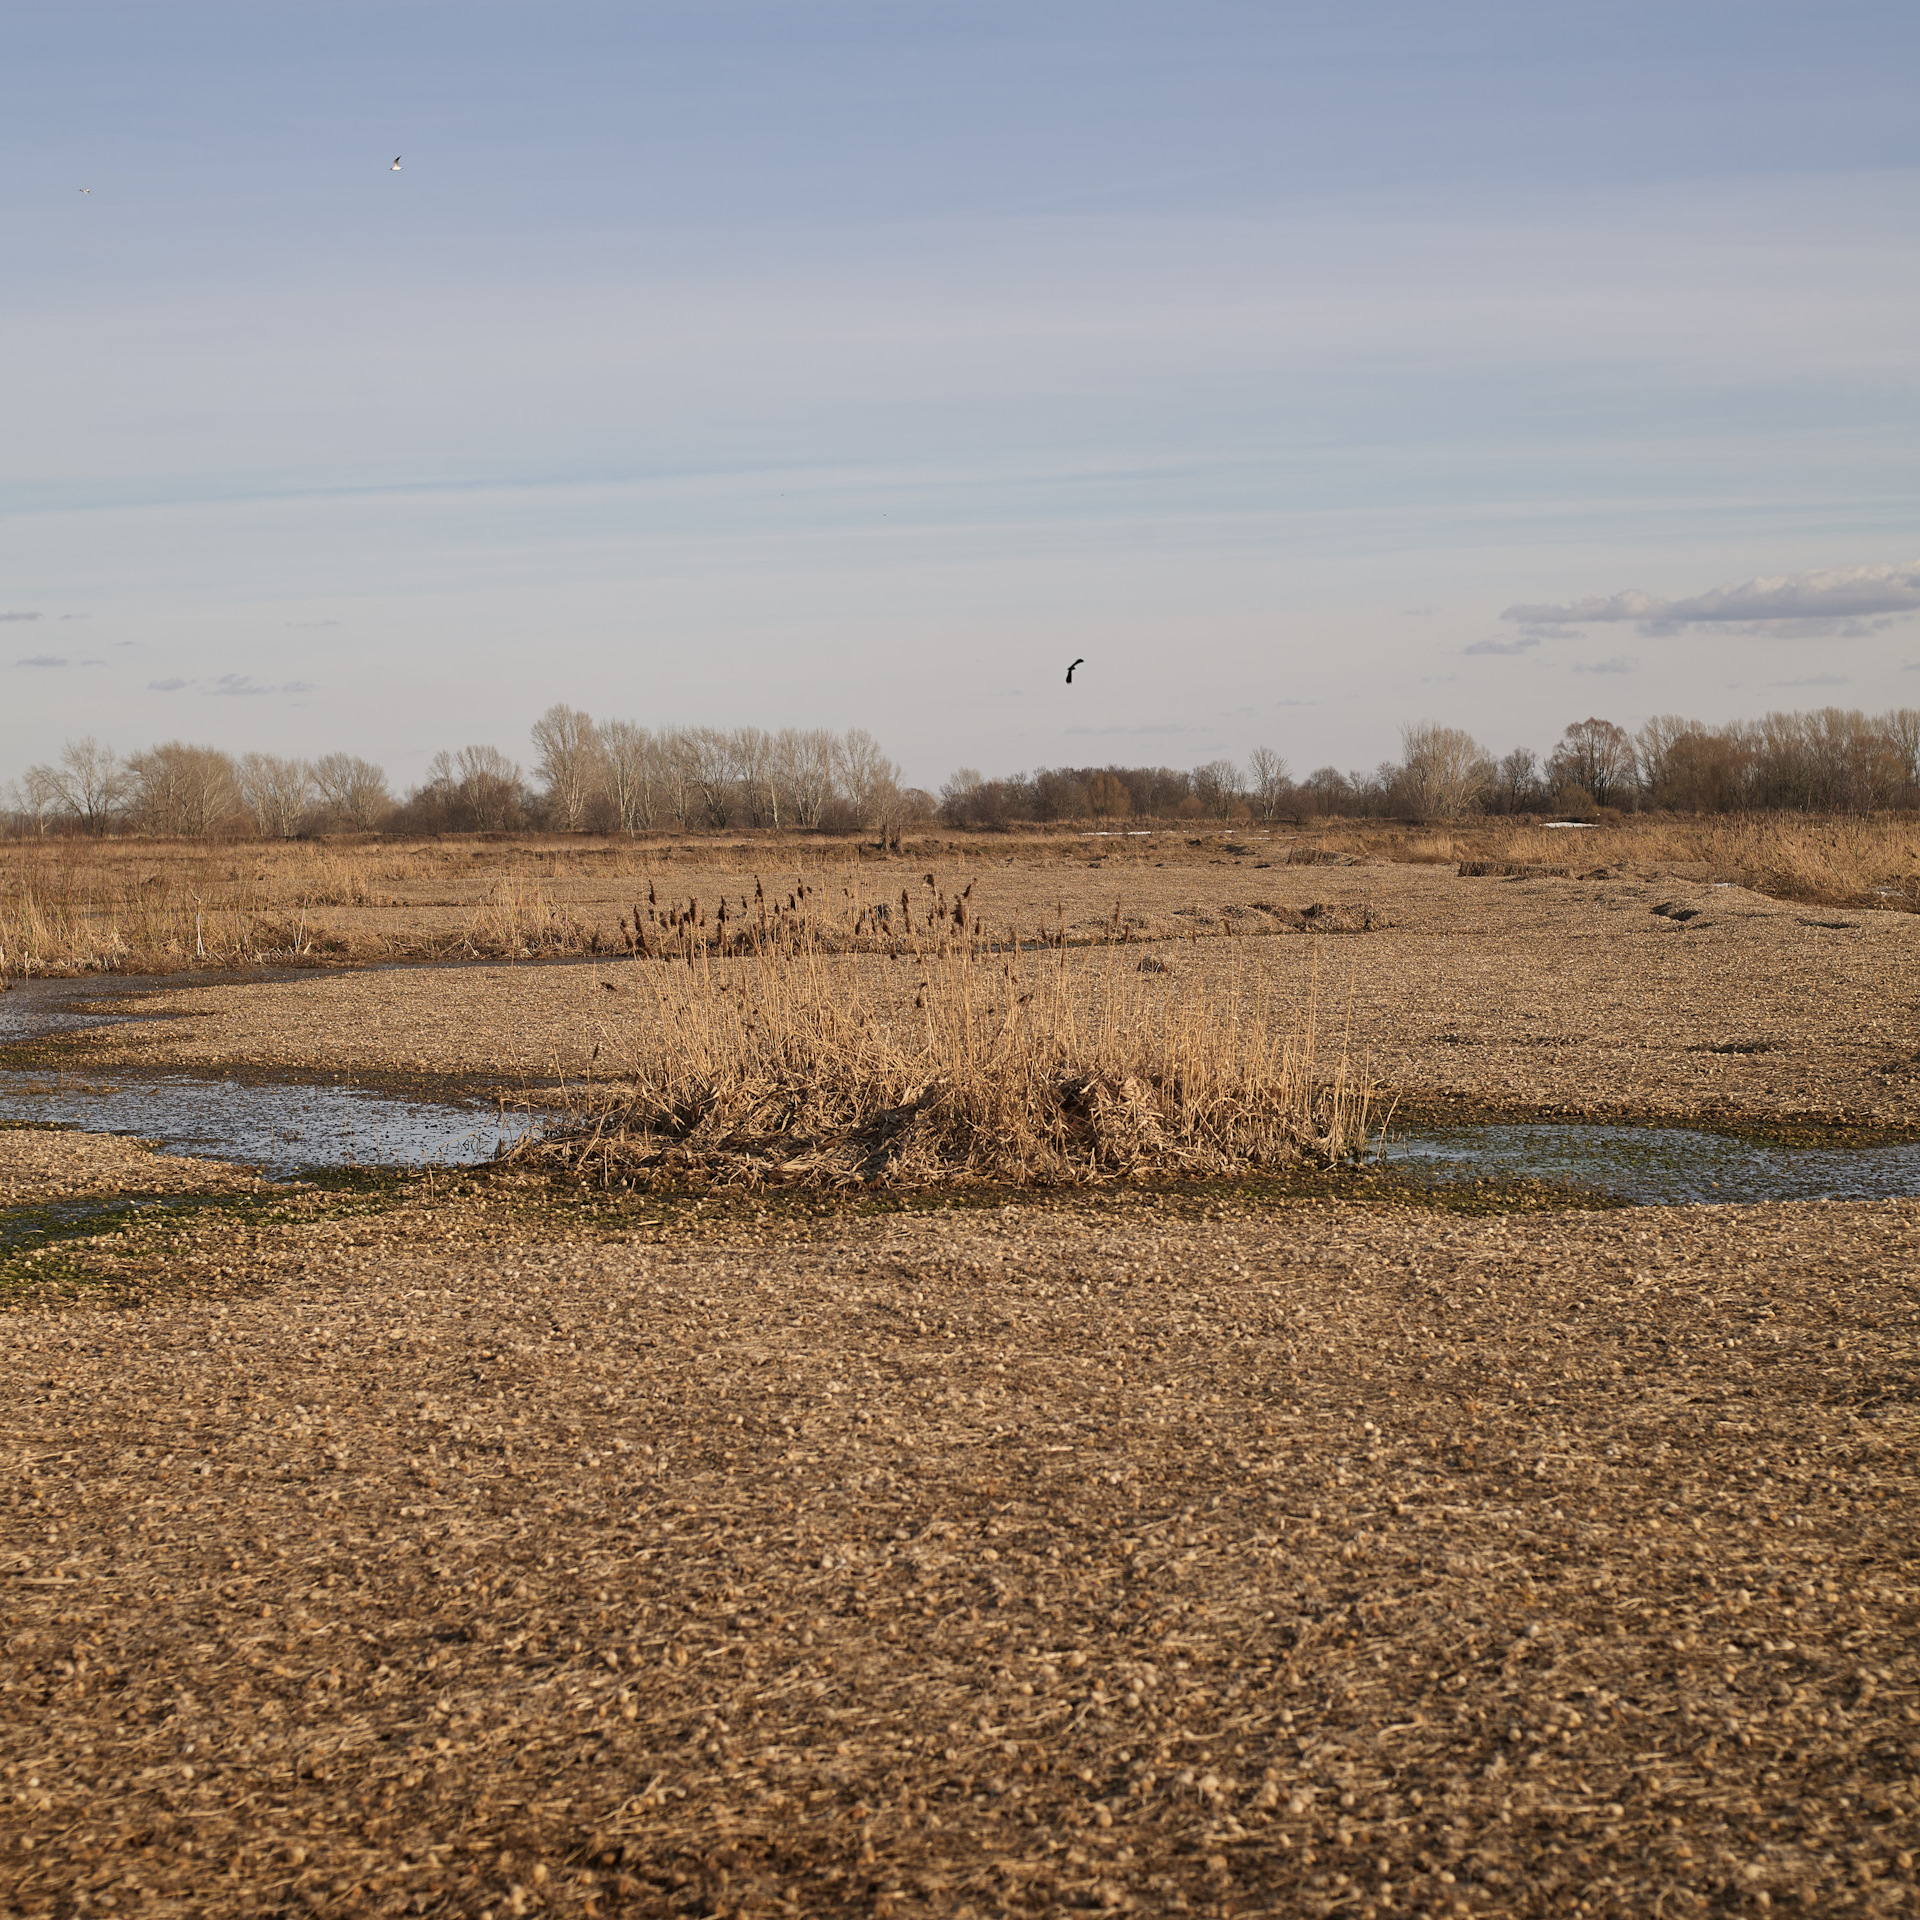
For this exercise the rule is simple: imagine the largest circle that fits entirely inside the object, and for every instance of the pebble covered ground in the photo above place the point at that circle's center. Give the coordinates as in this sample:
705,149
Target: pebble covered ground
486,1550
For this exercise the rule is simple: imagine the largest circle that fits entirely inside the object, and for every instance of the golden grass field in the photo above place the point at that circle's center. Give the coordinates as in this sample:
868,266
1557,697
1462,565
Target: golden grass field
139,905
1202,1528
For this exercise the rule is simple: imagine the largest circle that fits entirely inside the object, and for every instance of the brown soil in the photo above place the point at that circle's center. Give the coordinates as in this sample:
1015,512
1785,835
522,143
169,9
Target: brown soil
1638,994
490,1554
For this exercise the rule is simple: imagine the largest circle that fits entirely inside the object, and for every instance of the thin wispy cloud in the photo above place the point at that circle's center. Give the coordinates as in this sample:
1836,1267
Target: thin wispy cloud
1165,726
4,617
1836,602
1525,644
1816,680
244,686
42,660
1618,664
167,686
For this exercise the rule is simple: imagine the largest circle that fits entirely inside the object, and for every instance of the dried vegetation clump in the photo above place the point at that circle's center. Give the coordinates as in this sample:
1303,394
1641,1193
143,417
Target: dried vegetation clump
976,1062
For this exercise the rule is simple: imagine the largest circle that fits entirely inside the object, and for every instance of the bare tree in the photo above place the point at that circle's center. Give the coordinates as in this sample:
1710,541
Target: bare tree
1218,786
31,801
755,775
178,789
709,756
354,790
870,781
276,793
440,786
1268,773
1594,755
487,784
1107,795
88,782
803,771
1903,734
569,763
1517,784
1654,749
1328,790
1443,772
630,767
679,763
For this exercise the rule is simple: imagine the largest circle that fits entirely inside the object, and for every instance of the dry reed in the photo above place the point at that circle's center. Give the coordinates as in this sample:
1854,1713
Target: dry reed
1016,1063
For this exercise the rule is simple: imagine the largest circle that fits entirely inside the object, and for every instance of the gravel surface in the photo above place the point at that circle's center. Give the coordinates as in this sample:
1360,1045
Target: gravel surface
467,1551
39,1165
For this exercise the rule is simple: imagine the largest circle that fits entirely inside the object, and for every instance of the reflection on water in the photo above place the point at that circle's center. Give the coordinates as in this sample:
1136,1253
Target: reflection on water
1660,1166
280,1128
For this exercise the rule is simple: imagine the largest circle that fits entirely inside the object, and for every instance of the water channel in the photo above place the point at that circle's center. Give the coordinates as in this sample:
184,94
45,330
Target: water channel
1658,1166
279,1126
285,1127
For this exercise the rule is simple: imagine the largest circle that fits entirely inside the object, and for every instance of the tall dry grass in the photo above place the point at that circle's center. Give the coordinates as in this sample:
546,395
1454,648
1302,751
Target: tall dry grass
1839,860
1026,1066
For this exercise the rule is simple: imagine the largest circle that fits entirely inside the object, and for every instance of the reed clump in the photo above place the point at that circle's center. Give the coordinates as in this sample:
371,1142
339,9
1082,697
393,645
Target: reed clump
1013,1064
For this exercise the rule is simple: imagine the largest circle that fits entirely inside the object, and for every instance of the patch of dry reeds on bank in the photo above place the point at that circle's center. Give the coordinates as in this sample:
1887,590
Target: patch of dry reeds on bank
133,906
1021,1064
1833,860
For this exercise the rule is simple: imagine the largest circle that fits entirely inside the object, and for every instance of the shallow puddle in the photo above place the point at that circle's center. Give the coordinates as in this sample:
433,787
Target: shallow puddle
1660,1166
277,1127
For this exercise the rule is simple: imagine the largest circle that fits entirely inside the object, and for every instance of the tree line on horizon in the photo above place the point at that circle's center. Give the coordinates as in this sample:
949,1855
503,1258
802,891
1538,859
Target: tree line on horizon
620,777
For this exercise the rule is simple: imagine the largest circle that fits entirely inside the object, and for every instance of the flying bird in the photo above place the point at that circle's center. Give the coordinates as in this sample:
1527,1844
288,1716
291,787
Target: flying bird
1081,662
86,189
395,168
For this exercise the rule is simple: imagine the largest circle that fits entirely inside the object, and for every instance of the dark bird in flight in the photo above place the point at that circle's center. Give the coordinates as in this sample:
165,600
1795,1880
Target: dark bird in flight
1081,662
395,168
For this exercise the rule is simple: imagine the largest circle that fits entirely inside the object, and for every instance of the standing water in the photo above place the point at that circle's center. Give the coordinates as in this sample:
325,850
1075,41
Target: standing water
1659,1166
279,1126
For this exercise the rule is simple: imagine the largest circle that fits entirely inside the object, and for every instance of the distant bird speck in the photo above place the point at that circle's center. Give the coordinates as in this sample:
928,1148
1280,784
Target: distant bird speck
395,168
1081,662
86,189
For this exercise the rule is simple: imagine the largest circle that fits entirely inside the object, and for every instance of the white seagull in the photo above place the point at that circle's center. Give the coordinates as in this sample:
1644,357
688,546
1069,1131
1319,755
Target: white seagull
395,168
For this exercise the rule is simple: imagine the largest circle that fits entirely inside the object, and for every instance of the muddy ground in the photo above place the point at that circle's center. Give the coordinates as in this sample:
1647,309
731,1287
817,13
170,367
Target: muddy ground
490,1547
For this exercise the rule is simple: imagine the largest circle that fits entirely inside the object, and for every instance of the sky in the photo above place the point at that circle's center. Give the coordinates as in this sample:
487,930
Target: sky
1311,370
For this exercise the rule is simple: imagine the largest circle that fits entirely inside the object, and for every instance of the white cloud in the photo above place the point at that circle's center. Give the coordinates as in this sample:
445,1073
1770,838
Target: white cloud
1834,602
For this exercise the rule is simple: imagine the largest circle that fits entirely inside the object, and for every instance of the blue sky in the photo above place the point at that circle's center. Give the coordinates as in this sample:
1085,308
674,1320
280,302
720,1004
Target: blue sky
863,364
